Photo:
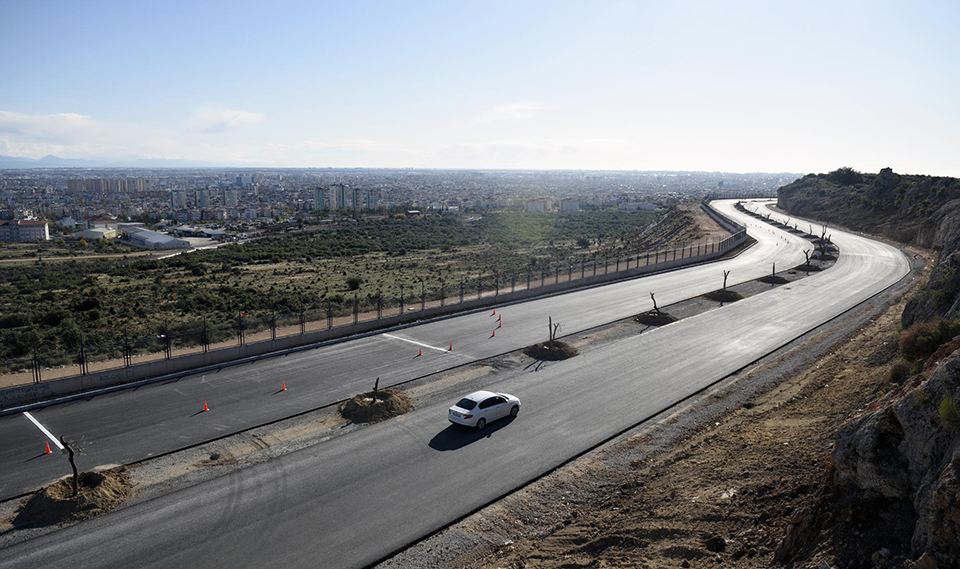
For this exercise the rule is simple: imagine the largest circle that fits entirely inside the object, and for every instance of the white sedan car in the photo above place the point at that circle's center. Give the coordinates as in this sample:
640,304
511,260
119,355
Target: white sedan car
482,407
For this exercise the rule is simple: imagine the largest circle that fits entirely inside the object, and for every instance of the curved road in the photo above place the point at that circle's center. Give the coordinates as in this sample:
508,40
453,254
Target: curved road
355,499
134,424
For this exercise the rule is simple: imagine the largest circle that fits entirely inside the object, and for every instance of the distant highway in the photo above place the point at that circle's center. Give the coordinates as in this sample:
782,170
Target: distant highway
353,500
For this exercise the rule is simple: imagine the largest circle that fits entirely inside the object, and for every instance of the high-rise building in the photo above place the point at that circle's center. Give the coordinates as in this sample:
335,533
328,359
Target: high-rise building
318,198
203,198
356,198
231,198
338,197
373,199
178,199
75,186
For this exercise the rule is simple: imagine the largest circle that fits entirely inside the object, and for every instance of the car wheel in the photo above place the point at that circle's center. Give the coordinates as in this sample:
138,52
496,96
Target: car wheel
481,423
514,411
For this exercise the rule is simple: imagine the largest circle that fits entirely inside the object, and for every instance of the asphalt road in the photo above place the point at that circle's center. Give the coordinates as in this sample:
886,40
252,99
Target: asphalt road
357,498
130,425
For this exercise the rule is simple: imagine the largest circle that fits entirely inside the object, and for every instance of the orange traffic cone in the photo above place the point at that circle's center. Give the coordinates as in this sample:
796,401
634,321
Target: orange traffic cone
499,324
419,352
48,451
499,317
494,312
205,408
283,386
451,347
494,335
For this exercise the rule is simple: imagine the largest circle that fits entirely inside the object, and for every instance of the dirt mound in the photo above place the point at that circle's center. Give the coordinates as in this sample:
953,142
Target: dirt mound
559,351
723,296
807,268
363,409
99,492
654,318
773,279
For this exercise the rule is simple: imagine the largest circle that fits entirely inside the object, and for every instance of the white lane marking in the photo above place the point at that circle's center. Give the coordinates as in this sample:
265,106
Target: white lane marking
44,429
416,343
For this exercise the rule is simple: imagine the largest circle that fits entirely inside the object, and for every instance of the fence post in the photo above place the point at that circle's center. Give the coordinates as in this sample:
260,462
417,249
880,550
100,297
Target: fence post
617,270
605,265
543,276
556,277
128,357
401,300
356,308
303,321
82,357
443,292
379,305
461,290
273,326
513,282
329,315
479,286
496,284
582,263
36,368
594,266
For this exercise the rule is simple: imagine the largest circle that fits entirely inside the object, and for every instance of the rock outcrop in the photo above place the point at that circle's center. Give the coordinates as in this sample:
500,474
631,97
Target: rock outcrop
902,457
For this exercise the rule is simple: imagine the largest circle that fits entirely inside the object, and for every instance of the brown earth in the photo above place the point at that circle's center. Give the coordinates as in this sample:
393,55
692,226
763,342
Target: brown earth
364,408
655,318
99,492
726,295
555,352
722,497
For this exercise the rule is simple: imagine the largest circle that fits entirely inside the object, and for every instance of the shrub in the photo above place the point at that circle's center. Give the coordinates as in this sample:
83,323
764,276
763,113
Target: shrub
898,373
949,411
920,341
353,283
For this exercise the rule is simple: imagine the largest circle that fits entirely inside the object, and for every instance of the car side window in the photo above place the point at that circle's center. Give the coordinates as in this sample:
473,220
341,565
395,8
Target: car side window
499,400
488,403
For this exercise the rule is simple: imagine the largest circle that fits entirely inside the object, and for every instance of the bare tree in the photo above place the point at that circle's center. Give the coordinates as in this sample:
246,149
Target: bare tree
376,386
68,447
725,275
774,274
553,329
655,309
806,253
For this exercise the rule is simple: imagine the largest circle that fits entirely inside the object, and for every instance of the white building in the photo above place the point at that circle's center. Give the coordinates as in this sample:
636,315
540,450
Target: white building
542,204
569,204
338,197
203,199
23,231
146,239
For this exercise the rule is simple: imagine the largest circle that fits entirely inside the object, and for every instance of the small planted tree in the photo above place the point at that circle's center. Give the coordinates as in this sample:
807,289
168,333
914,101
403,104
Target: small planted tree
655,309
725,275
376,386
552,330
71,448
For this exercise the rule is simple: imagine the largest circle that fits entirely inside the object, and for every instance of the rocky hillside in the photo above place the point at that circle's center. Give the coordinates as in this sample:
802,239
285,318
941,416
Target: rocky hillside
914,210
895,482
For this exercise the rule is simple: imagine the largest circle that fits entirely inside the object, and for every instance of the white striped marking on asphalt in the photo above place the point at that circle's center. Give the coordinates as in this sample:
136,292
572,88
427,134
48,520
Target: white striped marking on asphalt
417,343
44,429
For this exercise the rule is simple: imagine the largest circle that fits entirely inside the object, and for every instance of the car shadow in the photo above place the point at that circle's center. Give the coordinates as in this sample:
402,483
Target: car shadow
455,437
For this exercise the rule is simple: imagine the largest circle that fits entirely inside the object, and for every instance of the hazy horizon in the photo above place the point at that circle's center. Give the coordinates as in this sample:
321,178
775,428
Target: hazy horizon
741,87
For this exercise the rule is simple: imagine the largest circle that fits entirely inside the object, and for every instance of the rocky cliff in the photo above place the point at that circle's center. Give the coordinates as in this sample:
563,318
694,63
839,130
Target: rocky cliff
895,480
914,210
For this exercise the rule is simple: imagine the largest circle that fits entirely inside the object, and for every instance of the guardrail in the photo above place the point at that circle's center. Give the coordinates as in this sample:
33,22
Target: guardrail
299,336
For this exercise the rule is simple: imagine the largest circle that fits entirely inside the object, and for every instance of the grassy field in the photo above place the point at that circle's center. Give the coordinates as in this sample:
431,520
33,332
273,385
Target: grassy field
47,307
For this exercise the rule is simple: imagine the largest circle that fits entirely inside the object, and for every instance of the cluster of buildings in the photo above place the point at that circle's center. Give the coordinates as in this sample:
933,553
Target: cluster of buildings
241,200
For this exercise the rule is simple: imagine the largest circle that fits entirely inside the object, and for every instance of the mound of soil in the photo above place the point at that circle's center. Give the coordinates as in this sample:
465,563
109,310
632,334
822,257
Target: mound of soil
654,318
827,257
807,268
363,409
559,351
99,492
773,279
723,296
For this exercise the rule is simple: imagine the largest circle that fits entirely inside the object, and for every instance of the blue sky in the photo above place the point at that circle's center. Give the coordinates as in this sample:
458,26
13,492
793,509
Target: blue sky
732,86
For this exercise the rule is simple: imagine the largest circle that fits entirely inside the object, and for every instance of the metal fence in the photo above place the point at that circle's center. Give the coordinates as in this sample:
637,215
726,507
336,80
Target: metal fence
203,334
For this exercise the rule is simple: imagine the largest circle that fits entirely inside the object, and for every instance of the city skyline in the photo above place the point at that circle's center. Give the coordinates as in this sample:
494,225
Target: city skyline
743,87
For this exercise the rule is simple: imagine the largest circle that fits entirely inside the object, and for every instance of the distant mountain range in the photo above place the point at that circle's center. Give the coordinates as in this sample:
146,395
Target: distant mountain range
56,162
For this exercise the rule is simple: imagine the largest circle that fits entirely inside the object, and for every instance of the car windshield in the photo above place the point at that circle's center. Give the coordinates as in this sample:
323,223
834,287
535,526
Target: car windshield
467,404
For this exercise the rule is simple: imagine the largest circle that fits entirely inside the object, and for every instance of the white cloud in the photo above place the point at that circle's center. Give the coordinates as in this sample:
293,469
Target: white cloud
214,120
517,111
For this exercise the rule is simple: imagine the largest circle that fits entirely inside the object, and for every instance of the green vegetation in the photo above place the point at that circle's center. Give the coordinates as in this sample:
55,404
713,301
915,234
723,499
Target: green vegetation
949,411
920,341
47,308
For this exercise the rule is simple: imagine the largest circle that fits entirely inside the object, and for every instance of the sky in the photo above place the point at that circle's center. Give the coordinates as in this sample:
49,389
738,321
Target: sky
803,86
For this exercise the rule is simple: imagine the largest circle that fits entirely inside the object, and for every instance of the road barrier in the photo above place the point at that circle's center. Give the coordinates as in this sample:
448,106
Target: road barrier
244,351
